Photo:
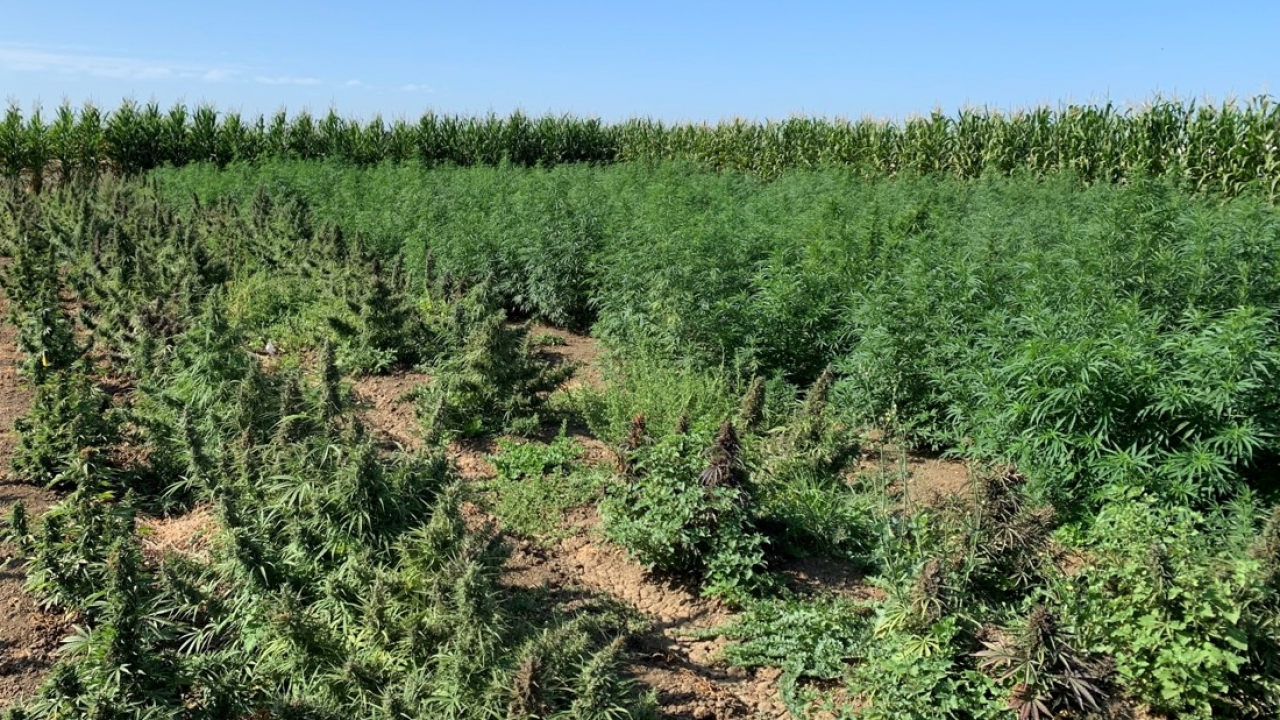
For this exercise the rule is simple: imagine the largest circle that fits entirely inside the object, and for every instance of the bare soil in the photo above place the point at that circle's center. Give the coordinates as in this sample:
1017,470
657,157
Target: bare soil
579,350
917,478
682,668
385,406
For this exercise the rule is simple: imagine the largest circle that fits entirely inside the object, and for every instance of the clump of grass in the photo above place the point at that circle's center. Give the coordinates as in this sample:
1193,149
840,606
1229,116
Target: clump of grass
536,483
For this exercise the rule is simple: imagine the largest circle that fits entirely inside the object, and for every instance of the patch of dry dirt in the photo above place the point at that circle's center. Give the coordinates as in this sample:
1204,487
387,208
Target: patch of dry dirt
827,576
386,408
921,478
29,638
580,350
684,670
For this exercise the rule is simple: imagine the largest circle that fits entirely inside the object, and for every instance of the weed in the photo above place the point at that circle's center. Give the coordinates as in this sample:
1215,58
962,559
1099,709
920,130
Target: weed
537,483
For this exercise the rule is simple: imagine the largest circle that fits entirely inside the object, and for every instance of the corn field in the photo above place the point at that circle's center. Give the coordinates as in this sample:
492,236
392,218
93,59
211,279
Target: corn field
1225,149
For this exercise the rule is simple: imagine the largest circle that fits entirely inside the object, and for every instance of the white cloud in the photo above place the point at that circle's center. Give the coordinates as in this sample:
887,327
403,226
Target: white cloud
285,80
27,58
414,87
33,59
353,83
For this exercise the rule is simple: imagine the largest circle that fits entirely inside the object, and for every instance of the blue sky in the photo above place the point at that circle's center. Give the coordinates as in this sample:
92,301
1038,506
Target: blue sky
688,60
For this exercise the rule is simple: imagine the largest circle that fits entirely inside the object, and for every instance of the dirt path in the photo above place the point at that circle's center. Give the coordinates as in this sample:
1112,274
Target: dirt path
683,669
581,350
29,637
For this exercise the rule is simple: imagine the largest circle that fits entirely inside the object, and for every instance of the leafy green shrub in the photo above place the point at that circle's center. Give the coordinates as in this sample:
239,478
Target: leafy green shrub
804,498
1174,610
812,440
116,661
813,514
387,329
681,512
1009,537
46,332
788,463
184,406
69,553
1180,413
946,575
536,483
662,391
595,692
810,638
925,675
